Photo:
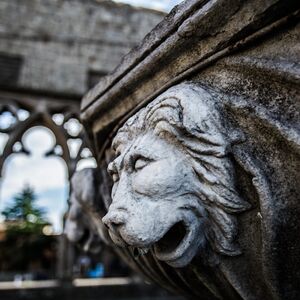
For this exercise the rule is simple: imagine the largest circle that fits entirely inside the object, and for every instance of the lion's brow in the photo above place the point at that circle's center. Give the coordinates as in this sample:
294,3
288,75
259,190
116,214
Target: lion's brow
124,156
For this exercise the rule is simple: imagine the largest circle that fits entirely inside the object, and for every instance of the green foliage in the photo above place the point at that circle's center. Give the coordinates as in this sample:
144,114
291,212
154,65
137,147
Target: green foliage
23,215
25,246
23,249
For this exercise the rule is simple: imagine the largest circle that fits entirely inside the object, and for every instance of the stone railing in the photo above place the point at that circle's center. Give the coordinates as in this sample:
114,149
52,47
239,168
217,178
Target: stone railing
197,135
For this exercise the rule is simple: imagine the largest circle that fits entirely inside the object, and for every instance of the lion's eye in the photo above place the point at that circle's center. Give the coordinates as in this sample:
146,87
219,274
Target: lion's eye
140,163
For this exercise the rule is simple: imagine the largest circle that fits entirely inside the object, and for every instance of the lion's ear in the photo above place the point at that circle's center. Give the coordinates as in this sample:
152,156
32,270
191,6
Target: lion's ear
222,231
220,243
219,196
226,248
231,202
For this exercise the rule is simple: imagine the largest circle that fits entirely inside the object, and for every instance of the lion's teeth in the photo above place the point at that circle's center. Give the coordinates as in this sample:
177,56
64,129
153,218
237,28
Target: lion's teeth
143,251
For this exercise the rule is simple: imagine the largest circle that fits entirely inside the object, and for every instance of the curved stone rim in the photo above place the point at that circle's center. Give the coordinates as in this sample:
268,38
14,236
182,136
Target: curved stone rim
106,107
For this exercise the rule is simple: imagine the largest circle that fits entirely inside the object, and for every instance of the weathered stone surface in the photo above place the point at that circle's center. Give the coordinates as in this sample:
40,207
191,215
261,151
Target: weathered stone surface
172,164
65,45
168,61
203,119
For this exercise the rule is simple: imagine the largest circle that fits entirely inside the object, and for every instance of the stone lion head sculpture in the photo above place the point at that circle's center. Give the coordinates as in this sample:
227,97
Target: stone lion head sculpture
174,188
83,223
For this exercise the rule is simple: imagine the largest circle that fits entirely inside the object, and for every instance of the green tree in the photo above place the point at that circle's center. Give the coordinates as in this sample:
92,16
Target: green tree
24,212
25,244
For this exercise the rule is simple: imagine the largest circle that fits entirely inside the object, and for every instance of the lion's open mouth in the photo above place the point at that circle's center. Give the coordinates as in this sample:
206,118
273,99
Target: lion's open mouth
179,245
172,239
168,243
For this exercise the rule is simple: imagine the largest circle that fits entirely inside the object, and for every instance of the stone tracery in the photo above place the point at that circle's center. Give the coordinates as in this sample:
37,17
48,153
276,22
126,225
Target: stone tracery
44,113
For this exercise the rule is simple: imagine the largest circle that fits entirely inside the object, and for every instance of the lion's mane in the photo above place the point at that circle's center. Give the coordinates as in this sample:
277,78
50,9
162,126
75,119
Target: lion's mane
188,116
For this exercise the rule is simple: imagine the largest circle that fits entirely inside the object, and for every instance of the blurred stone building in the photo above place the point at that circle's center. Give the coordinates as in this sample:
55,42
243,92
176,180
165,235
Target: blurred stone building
51,53
62,47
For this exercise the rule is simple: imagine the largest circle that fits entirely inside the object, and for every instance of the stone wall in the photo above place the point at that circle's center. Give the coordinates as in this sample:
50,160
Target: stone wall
65,46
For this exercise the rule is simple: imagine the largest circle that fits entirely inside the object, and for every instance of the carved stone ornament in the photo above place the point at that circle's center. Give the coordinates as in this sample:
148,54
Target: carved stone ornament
174,184
198,146
83,223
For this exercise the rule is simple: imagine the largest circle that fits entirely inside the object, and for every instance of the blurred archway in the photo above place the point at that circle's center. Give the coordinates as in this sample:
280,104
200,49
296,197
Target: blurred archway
42,144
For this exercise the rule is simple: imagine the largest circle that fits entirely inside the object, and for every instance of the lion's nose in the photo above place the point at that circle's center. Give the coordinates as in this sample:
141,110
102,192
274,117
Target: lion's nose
113,220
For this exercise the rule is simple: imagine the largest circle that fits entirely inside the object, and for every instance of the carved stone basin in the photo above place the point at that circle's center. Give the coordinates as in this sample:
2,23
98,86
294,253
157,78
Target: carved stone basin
197,137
